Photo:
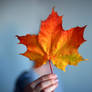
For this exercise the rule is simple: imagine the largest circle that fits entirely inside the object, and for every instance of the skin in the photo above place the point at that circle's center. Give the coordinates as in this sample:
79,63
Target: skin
46,83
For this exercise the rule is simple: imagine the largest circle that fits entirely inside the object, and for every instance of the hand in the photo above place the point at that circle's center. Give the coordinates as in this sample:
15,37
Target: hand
46,83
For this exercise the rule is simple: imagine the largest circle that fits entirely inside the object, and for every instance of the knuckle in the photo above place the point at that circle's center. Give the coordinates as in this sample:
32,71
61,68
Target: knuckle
42,78
41,85
49,76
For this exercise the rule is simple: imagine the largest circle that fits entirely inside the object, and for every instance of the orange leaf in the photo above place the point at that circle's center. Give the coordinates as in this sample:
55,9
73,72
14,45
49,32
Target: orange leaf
34,51
54,43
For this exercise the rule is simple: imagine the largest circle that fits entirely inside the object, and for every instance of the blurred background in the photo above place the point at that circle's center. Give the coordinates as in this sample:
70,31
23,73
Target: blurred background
20,17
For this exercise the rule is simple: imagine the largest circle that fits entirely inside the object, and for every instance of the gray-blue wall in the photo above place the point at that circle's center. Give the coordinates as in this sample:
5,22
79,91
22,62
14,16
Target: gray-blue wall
24,16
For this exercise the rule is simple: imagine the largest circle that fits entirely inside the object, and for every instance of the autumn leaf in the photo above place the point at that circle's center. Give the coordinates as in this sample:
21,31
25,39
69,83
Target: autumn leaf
54,43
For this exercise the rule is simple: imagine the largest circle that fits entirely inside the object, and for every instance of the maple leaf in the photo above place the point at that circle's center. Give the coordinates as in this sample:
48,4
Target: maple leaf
54,43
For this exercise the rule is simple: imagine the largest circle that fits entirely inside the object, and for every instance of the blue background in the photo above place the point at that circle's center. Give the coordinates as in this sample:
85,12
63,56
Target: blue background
19,17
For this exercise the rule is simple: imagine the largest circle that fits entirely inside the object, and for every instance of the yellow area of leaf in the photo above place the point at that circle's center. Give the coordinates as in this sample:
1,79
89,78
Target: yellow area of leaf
55,43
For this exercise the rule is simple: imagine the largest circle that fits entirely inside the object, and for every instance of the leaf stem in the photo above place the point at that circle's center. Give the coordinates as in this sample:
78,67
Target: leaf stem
50,66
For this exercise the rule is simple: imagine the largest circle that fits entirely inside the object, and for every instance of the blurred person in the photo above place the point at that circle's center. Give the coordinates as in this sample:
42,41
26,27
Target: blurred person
37,80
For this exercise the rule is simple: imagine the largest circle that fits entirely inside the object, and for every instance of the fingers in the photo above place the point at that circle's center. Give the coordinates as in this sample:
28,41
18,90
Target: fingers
43,78
46,84
50,88
48,76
